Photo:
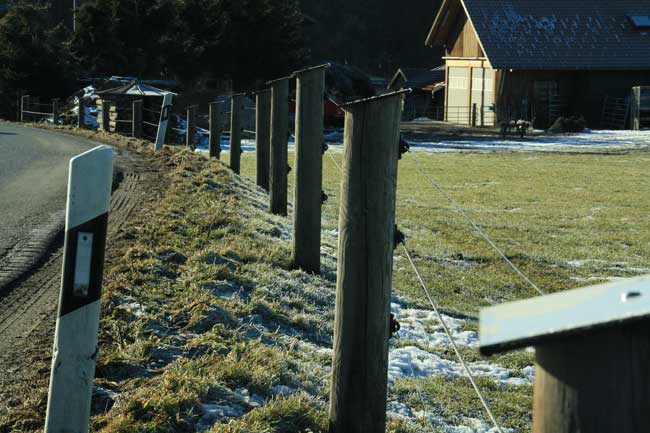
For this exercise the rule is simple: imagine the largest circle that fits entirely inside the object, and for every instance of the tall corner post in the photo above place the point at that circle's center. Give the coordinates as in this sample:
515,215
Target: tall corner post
263,137
365,257
76,338
279,165
190,132
308,195
81,114
24,106
216,129
137,119
55,111
164,121
106,115
595,383
236,117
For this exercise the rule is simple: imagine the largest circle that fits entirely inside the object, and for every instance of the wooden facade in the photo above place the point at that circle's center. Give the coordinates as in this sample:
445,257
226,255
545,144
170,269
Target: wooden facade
539,90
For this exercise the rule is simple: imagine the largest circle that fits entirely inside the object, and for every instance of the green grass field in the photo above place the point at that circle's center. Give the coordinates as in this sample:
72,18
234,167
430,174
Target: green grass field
566,220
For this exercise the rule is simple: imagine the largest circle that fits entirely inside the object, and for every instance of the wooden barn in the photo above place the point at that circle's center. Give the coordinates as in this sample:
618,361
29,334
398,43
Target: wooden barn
427,96
539,60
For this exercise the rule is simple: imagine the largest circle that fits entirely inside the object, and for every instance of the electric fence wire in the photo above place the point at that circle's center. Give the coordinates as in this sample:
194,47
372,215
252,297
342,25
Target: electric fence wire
478,229
434,305
334,159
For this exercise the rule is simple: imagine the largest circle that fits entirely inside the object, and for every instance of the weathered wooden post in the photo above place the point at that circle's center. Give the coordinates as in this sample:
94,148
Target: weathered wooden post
308,195
164,120
106,115
236,114
636,108
75,343
216,129
365,257
592,351
137,119
263,137
24,106
474,115
279,161
55,111
81,114
190,131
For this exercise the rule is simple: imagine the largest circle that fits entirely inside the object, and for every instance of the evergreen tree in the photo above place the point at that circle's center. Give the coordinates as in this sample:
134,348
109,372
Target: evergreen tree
34,57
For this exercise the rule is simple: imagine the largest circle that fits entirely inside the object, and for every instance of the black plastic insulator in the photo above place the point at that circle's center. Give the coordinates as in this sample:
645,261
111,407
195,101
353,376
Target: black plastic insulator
325,148
399,237
394,325
403,147
323,197
289,169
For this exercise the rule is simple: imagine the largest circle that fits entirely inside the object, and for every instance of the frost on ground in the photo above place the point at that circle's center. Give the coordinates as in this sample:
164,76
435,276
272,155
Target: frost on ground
602,140
206,305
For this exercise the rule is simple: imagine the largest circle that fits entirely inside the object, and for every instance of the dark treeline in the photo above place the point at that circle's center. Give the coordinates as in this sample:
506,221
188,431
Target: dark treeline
198,41
376,35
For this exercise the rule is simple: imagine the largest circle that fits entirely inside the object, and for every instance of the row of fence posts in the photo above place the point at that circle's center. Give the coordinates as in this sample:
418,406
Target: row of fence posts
27,102
366,223
367,236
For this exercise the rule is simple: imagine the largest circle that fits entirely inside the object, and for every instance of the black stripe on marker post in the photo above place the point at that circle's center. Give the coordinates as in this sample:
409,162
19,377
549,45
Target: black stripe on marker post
71,301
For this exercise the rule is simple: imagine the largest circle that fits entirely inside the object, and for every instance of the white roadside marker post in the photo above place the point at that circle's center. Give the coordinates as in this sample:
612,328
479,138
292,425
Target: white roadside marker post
75,341
164,120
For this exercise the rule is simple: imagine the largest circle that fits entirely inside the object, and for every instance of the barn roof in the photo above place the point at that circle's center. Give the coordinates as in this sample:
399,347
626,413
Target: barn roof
554,34
137,89
418,78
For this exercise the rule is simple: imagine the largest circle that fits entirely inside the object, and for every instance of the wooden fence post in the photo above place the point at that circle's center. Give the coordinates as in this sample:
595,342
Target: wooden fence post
24,106
263,137
216,129
55,111
106,115
365,255
75,344
81,114
164,121
474,115
137,119
279,165
636,108
592,346
236,113
190,131
309,168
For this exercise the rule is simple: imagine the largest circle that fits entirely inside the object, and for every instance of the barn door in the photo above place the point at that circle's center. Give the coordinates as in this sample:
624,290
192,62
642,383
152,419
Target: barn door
458,110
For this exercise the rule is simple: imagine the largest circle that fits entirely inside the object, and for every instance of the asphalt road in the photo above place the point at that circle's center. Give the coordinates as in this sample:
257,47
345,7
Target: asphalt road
33,179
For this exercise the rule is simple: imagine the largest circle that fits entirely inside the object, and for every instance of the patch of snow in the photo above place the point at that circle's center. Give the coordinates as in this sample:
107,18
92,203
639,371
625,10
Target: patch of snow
254,400
412,361
282,390
594,139
423,326
214,413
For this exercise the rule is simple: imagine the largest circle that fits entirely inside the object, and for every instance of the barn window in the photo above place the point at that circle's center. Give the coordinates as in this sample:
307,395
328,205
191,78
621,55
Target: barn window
640,21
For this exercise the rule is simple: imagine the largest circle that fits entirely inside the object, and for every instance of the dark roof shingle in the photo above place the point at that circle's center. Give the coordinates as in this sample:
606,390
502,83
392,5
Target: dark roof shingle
562,34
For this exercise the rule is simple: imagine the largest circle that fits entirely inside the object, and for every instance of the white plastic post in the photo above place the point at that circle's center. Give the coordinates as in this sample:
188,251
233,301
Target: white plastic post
164,120
75,341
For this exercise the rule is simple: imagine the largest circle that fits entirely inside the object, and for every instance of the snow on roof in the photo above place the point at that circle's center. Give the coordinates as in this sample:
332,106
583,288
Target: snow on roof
136,89
553,34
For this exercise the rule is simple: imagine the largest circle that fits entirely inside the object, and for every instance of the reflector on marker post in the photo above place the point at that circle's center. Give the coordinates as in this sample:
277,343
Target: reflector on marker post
75,341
